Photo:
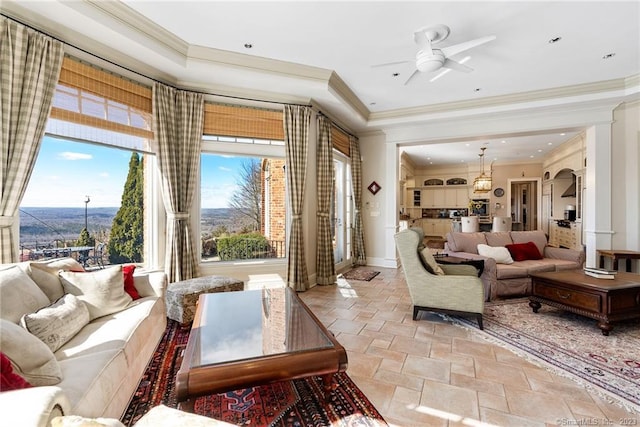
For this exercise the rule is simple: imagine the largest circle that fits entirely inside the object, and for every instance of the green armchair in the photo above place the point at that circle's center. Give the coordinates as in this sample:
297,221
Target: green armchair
458,291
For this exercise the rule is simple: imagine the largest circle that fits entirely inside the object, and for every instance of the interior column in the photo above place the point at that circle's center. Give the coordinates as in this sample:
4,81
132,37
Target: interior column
597,193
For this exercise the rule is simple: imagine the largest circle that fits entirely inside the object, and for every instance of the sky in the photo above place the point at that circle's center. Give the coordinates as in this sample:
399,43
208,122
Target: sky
66,172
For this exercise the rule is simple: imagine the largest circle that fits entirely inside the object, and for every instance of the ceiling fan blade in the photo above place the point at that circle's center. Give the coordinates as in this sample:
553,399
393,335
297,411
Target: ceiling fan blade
461,47
416,72
440,74
389,63
453,65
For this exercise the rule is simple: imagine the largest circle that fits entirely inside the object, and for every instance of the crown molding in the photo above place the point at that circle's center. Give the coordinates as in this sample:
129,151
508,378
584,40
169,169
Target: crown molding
405,115
127,21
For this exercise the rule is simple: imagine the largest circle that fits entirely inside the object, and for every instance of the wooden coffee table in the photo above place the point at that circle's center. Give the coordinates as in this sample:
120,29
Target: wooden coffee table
247,338
605,300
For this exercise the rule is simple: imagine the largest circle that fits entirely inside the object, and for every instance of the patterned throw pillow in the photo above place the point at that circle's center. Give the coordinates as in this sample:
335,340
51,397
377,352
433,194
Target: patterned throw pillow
56,324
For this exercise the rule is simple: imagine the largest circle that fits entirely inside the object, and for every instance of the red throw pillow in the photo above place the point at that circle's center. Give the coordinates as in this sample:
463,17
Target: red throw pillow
129,287
9,380
524,251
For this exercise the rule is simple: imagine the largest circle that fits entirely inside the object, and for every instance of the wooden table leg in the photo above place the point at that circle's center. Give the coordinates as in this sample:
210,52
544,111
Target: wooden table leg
605,327
329,386
187,405
535,305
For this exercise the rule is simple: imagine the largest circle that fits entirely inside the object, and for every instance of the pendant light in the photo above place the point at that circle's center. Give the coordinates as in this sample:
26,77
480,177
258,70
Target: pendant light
482,183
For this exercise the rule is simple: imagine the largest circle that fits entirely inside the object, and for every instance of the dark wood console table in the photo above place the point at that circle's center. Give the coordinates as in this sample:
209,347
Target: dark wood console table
605,300
617,254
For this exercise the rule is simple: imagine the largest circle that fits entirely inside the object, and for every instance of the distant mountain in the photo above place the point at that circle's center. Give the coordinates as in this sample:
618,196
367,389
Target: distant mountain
46,225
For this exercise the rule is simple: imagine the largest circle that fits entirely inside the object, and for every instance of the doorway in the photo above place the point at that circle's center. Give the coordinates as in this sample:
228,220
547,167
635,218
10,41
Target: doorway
341,212
525,203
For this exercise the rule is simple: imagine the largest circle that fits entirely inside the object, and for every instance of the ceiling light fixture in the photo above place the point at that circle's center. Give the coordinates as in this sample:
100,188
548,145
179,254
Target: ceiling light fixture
609,56
482,183
395,74
248,45
555,40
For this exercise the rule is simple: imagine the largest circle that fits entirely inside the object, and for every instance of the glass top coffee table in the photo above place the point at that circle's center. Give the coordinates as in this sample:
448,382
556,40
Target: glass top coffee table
247,338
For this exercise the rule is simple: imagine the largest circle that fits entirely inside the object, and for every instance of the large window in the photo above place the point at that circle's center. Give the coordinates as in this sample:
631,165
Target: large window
76,186
242,199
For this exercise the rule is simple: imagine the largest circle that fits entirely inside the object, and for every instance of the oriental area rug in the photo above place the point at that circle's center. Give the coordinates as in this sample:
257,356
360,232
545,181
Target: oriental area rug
288,403
360,273
569,345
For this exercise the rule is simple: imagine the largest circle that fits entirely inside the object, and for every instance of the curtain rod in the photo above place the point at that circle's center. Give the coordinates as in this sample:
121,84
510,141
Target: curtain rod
144,75
335,124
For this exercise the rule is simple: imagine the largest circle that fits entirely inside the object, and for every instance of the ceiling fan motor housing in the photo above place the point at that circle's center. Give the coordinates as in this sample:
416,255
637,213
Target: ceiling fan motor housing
429,61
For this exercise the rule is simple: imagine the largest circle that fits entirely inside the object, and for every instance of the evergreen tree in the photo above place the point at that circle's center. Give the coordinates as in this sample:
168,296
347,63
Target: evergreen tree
85,239
125,241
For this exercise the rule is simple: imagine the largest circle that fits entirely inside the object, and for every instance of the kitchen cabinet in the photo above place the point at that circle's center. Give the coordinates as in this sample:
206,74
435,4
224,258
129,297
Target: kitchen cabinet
565,237
445,198
436,226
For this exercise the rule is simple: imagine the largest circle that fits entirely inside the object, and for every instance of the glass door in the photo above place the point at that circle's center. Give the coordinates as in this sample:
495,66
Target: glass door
341,212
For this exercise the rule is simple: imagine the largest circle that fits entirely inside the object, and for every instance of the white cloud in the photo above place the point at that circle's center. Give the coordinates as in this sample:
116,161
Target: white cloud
104,175
70,155
225,169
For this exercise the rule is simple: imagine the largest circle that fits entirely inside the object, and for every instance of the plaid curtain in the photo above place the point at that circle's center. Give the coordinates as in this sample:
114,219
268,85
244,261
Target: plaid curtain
325,266
30,66
359,256
296,140
178,118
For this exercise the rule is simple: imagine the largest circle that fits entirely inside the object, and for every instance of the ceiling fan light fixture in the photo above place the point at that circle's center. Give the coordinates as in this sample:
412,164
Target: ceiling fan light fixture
483,182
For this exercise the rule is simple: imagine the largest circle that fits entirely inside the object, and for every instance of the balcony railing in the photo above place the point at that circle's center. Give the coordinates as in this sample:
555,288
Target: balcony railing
237,248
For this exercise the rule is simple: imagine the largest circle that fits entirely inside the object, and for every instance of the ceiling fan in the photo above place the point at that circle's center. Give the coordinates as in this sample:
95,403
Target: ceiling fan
429,59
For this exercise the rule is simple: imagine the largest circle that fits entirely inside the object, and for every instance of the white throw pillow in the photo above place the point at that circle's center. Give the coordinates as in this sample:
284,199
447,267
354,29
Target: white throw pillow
59,322
101,290
499,253
19,294
45,274
30,357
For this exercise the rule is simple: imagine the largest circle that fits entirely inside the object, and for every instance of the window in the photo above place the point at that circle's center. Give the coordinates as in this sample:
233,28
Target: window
242,200
76,185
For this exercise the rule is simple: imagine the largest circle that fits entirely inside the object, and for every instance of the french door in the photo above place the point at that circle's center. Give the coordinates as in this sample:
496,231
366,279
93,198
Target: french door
341,212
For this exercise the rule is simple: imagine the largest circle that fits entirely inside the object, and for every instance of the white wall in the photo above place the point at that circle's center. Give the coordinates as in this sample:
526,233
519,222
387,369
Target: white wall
377,211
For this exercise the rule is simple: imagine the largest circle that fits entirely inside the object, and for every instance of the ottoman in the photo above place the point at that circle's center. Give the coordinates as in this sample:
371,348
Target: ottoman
181,297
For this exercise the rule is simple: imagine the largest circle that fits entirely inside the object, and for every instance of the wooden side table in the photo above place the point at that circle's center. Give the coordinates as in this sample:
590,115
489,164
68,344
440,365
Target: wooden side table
616,255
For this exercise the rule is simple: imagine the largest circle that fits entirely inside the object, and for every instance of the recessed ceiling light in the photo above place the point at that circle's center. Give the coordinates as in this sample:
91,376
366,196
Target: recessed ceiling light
248,45
609,56
467,145
372,103
539,151
563,134
555,40
395,74
477,89
549,143
503,141
531,156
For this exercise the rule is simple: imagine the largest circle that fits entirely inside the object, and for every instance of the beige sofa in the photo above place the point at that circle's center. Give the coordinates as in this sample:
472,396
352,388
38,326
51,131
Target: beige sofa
95,371
504,280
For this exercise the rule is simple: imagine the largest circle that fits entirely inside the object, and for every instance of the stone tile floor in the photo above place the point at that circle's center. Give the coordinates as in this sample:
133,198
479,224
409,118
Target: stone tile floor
432,373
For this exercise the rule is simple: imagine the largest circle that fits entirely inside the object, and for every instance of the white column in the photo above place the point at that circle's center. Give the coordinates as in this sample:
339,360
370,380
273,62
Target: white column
392,198
597,197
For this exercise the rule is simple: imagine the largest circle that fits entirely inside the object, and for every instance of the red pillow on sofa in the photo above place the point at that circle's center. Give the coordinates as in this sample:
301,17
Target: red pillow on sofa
524,251
9,380
129,287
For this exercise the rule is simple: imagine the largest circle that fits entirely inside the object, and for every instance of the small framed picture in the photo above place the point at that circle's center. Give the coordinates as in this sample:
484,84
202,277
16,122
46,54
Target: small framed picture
374,187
